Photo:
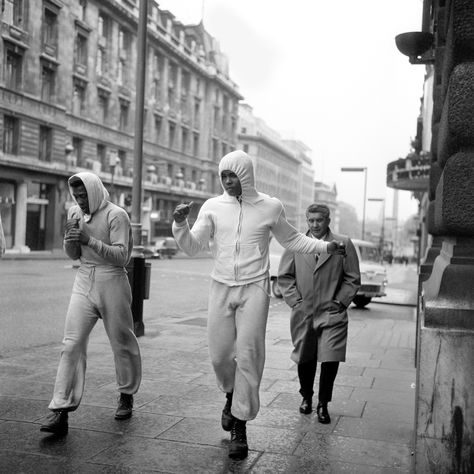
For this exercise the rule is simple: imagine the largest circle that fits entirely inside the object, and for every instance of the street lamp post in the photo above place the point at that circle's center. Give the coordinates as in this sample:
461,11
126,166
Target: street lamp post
360,170
382,229
138,268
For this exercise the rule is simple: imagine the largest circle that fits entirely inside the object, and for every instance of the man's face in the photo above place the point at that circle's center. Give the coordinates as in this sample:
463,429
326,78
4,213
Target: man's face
80,195
317,223
231,183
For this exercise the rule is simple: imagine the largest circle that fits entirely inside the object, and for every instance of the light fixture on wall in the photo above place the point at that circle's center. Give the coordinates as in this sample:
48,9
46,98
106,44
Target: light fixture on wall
415,45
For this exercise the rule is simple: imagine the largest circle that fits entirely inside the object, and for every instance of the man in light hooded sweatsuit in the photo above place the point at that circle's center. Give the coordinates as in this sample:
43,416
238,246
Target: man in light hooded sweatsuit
236,226
99,234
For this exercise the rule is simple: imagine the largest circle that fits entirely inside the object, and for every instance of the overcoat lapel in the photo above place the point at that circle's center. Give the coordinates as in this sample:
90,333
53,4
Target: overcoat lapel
324,257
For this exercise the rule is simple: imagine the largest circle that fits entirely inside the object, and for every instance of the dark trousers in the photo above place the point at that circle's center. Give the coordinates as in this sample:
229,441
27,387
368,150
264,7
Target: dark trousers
307,373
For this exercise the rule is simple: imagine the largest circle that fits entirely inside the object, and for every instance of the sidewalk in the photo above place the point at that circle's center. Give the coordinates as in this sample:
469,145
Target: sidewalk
176,423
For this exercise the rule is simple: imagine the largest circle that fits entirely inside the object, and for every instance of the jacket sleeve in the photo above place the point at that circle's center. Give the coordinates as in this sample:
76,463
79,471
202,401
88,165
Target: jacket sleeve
351,276
191,241
72,249
295,241
117,252
287,279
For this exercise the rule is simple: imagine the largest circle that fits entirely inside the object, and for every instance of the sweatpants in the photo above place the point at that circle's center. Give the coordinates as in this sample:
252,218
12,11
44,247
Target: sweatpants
98,292
237,320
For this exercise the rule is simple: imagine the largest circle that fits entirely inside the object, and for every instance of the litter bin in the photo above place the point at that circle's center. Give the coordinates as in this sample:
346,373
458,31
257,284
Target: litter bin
138,272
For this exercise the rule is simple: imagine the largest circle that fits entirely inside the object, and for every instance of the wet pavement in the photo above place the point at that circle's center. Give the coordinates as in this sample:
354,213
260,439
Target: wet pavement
176,423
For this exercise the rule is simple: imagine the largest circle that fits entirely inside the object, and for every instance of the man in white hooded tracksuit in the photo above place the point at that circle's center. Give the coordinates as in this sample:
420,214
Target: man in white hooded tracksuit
99,234
236,226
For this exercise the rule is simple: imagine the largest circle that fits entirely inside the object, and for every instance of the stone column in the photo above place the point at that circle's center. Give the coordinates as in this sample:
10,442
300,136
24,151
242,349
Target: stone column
20,216
445,380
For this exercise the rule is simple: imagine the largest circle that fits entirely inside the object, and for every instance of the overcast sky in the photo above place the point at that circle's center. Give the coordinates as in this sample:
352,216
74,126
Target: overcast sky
326,72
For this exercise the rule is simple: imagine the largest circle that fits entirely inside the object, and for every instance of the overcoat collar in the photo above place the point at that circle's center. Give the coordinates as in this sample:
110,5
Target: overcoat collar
323,257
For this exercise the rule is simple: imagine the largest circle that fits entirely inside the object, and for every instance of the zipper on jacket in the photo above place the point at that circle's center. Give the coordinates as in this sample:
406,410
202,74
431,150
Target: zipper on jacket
237,242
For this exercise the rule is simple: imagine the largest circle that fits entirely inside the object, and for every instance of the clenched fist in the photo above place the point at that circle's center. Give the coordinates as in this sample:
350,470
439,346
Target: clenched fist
181,212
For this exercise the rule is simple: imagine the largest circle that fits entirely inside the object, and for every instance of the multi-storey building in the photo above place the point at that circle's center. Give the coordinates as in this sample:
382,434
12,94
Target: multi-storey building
305,180
278,164
67,103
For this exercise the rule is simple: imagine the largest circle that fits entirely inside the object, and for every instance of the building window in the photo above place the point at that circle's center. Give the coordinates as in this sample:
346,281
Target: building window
123,118
197,110
122,159
215,149
77,144
124,57
80,51
83,9
13,66
14,12
172,83
184,139
104,29
11,134
103,101
50,31
157,73
158,122
246,148
48,79
102,156
216,116
171,135
195,144
78,97
45,143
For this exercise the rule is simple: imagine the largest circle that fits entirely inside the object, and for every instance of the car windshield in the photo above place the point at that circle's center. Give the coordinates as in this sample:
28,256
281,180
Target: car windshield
369,254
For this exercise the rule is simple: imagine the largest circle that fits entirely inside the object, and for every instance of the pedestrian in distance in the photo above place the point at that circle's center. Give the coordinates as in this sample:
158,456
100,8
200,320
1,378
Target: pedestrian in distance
3,244
319,288
98,233
236,226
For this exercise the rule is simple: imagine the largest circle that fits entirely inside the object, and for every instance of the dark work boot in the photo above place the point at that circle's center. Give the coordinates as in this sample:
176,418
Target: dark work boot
238,448
56,423
125,407
227,420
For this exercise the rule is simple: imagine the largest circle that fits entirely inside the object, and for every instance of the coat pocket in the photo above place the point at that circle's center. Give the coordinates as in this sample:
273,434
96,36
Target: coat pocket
328,319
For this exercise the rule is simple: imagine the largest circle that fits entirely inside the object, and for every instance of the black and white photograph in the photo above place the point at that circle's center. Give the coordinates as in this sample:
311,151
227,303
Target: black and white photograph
236,237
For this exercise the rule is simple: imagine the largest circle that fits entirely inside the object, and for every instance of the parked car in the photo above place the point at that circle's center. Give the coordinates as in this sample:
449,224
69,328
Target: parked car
275,252
373,274
165,247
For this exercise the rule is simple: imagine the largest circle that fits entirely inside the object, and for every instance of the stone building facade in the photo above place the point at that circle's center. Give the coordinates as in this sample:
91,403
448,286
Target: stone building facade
444,419
67,103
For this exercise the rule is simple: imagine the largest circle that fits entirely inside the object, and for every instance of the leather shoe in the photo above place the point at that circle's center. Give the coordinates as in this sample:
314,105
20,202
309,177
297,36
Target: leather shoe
57,423
323,414
306,406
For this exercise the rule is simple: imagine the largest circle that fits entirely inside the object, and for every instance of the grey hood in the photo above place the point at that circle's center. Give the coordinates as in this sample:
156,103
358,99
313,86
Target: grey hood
97,195
241,164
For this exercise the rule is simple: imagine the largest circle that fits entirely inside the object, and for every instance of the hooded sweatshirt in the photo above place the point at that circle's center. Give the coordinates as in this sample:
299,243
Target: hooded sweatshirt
108,226
237,231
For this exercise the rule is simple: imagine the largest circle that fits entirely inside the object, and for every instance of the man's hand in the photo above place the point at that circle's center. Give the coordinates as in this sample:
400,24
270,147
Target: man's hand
335,306
181,212
77,235
337,248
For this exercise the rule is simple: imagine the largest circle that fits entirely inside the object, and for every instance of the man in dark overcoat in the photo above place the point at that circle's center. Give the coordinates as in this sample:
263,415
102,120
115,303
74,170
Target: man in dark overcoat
318,289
